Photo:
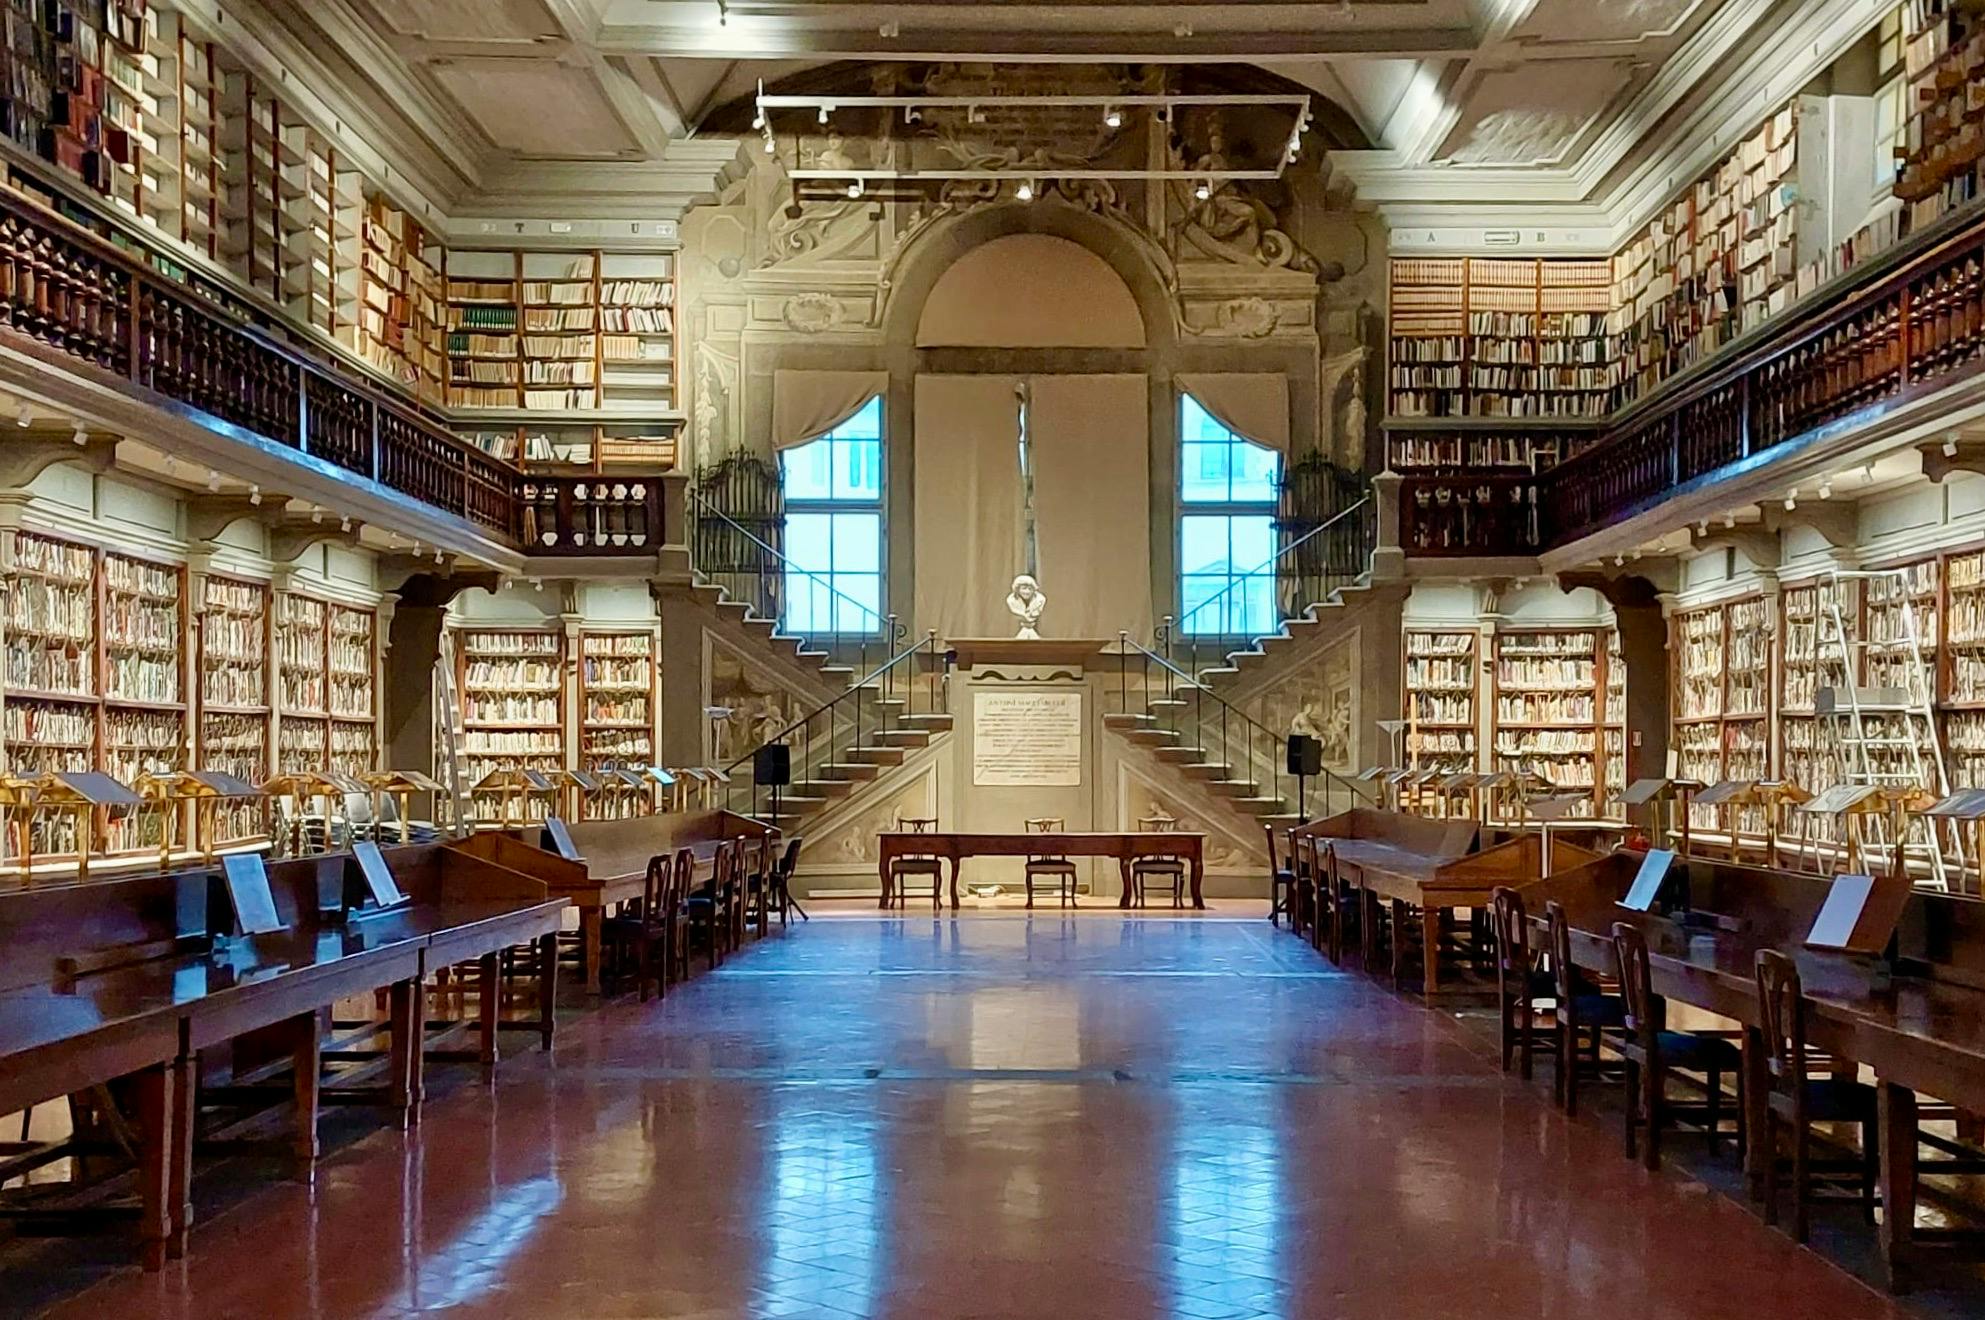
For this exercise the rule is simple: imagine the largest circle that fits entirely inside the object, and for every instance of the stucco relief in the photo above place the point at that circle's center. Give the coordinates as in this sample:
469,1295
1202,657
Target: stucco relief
813,313
1320,700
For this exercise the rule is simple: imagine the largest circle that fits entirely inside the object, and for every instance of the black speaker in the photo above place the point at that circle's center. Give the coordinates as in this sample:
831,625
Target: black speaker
772,765
1305,755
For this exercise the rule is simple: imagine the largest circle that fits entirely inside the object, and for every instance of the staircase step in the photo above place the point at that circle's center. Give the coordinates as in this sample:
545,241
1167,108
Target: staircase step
1179,755
800,803
801,653
821,788
904,737
1234,788
1208,770
849,770
876,755
1260,806
934,723
837,672
1153,737
1133,720
1282,820
1168,703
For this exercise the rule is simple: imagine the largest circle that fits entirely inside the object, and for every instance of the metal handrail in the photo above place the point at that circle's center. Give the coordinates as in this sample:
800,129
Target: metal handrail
929,641
1273,560
786,564
1228,712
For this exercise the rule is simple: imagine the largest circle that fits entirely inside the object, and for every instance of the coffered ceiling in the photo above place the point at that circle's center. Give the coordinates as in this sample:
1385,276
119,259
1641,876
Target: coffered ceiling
521,90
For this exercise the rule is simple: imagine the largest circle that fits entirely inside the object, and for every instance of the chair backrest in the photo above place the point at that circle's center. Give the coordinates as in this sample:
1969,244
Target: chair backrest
1302,854
767,851
655,890
1512,930
1046,825
740,858
1636,979
1782,1013
1156,824
685,876
720,866
1561,968
790,862
1274,862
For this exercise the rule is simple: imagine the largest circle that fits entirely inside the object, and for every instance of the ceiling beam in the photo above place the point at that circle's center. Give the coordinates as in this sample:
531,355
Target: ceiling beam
745,40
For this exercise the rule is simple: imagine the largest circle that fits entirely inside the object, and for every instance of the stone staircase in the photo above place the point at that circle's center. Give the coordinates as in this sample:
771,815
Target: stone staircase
1247,667
818,786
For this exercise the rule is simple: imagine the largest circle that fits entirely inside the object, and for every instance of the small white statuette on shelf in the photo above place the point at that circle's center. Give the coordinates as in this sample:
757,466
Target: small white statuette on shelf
1026,601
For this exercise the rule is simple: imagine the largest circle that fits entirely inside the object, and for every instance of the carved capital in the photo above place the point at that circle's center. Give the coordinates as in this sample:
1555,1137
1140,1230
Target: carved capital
1835,523
1759,545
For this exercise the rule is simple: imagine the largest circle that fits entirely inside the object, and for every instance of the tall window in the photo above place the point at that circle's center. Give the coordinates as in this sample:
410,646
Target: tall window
833,488
1228,487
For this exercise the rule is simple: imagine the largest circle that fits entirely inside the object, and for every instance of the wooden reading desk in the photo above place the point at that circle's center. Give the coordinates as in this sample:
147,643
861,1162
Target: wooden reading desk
1125,847
613,861
1923,1029
1436,866
134,977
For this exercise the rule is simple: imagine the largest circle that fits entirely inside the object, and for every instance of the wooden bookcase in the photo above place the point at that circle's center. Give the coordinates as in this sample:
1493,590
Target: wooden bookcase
512,686
144,669
1722,700
233,669
1548,691
1442,685
1942,147
618,699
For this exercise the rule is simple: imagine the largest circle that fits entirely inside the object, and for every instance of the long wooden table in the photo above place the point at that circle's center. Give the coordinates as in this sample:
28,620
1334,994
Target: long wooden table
613,861
1124,846
1923,1032
135,977
1436,867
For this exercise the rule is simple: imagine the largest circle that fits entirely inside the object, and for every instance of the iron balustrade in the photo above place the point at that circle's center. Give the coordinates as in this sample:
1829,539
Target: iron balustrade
774,587
897,696
1226,738
1333,554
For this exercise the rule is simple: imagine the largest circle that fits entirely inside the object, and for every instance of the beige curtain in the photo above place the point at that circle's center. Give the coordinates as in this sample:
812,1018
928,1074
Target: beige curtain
1248,403
1092,487
808,404
967,491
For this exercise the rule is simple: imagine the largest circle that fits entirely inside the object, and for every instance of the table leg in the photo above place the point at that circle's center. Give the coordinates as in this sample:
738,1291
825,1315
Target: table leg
486,1007
185,1109
154,1165
548,989
404,1027
882,870
1757,1097
1198,879
1897,1111
1430,936
307,1070
592,921
954,884
1123,881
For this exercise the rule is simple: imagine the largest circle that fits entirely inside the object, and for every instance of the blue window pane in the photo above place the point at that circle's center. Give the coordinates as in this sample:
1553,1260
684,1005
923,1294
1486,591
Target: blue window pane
857,469
1252,537
807,471
857,543
857,601
1257,472
1203,474
864,425
1197,592
810,541
1196,425
1203,545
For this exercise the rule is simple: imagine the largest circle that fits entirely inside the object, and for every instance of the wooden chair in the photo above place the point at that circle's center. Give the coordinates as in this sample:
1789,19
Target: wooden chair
1281,884
782,882
1798,1101
642,933
1144,870
1060,869
921,864
1578,1008
708,906
1305,913
756,897
1651,1052
682,881
1520,981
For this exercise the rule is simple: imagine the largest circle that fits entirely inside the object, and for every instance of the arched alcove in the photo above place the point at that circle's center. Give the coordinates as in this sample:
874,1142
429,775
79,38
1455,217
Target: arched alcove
1030,291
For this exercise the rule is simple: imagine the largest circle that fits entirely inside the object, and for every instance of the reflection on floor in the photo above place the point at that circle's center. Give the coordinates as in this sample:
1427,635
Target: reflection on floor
1045,1117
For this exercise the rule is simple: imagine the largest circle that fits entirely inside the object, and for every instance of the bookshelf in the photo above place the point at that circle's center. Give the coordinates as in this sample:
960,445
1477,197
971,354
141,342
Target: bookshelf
483,324
1613,730
144,714
1938,156
1547,715
302,684
352,665
1500,337
1723,692
1963,675
1441,693
1889,607
617,703
232,665
401,326
512,684
637,331
1804,756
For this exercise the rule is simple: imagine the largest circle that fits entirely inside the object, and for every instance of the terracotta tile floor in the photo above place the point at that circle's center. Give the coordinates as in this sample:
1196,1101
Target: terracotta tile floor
991,1117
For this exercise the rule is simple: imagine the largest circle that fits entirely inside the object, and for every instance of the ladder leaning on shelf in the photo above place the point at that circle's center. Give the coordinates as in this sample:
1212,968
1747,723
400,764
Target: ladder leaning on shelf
448,718
1885,735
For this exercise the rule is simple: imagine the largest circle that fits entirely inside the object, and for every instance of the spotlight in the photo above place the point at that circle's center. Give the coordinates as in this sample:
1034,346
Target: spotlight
723,14
1636,554
1702,528
1950,444
255,496
213,480
317,517
892,29
25,418
1204,189
1868,473
1729,521
537,584
1182,30
437,556
1025,192
855,188
1826,488
1619,561
1112,117
758,120
81,437
824,112
770,145
344,524
1792,499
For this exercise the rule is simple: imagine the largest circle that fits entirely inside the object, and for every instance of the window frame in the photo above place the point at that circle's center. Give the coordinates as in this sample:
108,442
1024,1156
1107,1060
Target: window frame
1230,509
832,506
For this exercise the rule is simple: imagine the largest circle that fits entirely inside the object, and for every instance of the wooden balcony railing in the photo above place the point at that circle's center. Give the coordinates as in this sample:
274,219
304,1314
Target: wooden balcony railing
67,288
1902,327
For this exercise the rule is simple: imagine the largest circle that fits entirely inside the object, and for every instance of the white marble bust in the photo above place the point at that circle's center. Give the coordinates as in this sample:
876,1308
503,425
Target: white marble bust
1025,601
